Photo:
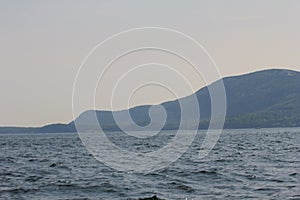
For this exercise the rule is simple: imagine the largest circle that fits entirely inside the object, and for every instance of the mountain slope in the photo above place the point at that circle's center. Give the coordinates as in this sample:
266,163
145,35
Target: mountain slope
269,98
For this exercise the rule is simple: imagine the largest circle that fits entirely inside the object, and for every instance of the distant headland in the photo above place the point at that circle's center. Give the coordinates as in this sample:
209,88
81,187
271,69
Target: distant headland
262,99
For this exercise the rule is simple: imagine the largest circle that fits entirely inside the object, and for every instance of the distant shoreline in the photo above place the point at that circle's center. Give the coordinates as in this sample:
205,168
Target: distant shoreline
166,130
262,99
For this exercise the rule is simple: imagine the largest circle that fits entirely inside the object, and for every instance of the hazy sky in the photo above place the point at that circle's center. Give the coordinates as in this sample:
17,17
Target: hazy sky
42,44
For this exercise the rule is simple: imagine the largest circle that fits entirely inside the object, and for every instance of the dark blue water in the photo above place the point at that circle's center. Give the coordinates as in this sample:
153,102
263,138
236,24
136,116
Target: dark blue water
245,164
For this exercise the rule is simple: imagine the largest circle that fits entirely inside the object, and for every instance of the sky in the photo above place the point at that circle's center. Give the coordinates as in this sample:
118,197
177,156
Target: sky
43,43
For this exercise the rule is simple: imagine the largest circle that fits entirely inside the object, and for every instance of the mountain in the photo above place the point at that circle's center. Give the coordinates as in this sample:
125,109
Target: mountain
268,98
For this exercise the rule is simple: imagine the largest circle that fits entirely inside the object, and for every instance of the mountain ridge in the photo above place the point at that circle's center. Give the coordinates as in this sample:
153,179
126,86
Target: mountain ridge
261,99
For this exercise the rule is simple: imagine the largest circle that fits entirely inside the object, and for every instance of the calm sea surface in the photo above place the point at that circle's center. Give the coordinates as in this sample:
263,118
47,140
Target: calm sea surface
244,164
